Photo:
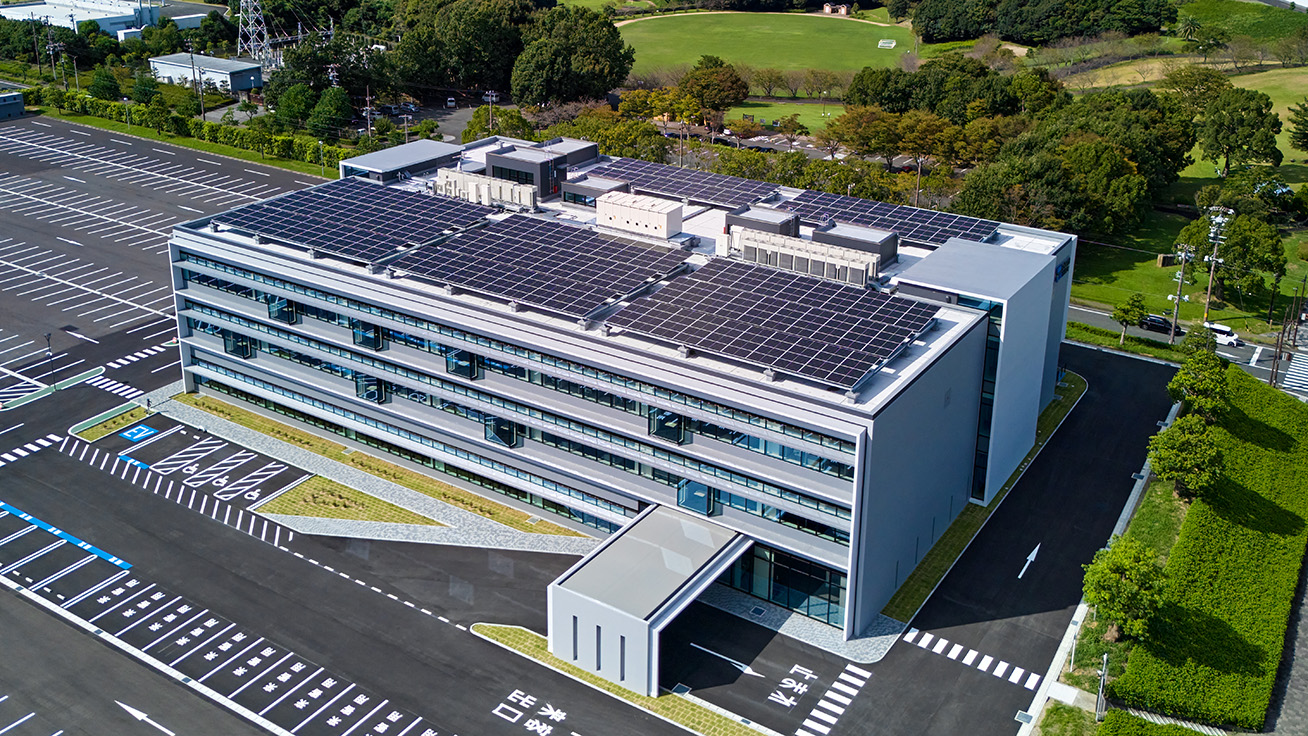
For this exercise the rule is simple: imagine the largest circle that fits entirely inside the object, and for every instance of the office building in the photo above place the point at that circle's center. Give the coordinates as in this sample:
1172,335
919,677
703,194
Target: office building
786,392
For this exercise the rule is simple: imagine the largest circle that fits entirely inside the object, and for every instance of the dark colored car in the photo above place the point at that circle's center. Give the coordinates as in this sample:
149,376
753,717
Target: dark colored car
1155,323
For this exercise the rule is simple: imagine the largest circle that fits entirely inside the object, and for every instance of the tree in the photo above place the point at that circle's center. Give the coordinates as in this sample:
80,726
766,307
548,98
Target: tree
1196,86
507,122
104,85
820,82
1186,454
188,105
1129,313
743,129
919,135
294,106
572,53
1299,126
790,128
332,113
1238,127
870,132
1201,384
1187,26
1125,584
156,113
715,87
769,79
828,142
614,135
54,97
144,88
1208,40
1198,339
250,109
898,9
483,39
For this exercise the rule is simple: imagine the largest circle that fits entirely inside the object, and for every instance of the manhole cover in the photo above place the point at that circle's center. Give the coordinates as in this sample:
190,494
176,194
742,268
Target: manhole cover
757,611
69,328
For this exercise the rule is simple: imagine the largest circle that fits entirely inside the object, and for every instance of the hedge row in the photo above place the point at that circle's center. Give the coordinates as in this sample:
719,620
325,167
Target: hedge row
1213,651
1121,723
247,139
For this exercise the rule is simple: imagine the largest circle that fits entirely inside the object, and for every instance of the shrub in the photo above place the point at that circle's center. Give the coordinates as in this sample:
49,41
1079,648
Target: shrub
1121,723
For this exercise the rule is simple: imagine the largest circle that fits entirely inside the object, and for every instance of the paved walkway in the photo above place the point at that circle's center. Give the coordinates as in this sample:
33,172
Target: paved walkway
462,528
1288,713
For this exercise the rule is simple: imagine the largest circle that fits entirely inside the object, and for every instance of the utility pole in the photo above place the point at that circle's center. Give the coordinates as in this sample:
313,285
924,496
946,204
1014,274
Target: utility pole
367,106
1298,312
195,80
1216,237
1180,284
51,46
36,46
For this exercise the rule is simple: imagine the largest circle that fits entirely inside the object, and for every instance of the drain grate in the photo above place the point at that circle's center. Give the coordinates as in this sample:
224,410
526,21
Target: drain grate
757,611
680,689
1023,717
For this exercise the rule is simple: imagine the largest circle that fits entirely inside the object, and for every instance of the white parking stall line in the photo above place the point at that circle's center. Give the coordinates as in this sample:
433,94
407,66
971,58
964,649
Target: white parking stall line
148,614
18,722
202,644
233,658
175,629
35,555
255,678
94,589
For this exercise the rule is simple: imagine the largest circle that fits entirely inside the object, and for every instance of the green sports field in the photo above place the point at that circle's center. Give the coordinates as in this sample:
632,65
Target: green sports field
784,41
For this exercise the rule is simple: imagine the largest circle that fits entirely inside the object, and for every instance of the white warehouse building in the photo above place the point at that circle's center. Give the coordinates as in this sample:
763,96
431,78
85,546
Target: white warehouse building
232,75
790,397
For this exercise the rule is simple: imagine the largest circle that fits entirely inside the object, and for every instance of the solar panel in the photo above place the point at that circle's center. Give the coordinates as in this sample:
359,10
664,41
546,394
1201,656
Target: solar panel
558,268
674,181
354,219
802,325
911,223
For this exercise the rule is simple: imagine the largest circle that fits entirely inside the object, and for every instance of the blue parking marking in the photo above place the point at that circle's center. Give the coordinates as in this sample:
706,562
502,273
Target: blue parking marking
65,536
138,433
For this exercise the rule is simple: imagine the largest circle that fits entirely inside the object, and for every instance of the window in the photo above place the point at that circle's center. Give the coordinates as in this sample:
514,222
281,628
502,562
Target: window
367,335
808,588
283,310
463,363
697,497
667,425
238,345
370,388
522,177
503,432
581,199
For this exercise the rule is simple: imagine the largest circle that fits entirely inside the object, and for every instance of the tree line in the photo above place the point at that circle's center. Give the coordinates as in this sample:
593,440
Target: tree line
1037,22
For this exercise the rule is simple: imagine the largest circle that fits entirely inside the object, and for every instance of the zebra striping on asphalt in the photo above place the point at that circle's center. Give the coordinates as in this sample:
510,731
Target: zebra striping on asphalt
186,456
1002,670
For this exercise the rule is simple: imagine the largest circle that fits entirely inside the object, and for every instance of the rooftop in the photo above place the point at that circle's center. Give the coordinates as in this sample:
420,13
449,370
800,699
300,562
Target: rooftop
208,63
973,268
398,157
649,562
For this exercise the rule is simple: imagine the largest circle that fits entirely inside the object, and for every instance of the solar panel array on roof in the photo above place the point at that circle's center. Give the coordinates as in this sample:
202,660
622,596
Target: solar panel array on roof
354,219
911,223
674,181
555,267
802,325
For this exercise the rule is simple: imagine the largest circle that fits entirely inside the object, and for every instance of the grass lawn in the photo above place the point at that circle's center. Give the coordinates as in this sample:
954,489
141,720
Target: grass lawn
322,498
683,711
1215,646
784,40
187,142
1262,22
1106,274
109,426
937,561
410,479
809,114
1065,720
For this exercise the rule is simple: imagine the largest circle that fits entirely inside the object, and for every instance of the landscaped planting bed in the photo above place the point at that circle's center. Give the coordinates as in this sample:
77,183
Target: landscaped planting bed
1213,651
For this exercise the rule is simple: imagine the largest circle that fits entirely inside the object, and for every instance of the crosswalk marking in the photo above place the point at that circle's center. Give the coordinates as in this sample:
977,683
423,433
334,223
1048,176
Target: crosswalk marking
1001,669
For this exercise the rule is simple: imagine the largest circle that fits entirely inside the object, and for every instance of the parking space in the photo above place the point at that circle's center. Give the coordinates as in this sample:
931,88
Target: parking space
84,215
143,165
67,287
195,460
269,679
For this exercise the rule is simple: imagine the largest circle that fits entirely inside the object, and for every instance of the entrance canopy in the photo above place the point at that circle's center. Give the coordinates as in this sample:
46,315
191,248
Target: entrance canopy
606,611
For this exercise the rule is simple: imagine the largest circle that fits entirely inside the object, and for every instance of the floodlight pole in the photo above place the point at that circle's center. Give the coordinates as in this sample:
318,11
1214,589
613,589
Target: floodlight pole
49,358
322,165
195,81
36,46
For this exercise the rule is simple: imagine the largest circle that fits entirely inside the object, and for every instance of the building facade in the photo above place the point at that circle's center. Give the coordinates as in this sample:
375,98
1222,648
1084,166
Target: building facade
230,75
548,361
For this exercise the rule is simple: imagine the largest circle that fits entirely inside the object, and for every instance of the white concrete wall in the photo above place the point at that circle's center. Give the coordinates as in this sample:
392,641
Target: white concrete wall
601,640
1019,379
919,459
611,211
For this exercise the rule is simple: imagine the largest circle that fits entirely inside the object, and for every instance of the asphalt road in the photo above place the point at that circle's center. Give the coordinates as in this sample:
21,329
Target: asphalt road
986,616
1254,359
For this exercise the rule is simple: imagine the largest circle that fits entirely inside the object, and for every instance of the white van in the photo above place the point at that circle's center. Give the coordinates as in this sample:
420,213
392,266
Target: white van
1224,335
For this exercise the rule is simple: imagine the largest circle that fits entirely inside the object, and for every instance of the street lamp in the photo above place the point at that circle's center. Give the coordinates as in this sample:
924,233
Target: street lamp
322,166
49,357
127,108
